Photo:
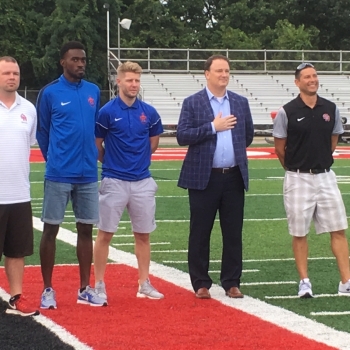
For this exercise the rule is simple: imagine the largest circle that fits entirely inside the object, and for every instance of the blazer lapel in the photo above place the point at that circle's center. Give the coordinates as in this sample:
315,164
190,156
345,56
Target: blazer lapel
205,105
232,110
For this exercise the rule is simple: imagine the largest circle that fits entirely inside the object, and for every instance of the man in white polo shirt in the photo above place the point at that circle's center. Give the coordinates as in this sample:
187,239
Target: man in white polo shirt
17,133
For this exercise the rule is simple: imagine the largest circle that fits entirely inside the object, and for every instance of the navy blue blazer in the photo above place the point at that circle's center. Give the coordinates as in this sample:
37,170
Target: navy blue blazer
194,130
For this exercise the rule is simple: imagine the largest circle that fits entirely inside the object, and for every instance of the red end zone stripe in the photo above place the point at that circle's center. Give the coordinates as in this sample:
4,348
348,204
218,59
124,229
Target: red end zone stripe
179,153
179,321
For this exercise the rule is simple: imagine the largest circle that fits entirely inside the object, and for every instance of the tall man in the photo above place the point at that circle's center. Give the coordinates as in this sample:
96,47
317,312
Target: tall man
67,111
127,133
306,132
217,126
17,133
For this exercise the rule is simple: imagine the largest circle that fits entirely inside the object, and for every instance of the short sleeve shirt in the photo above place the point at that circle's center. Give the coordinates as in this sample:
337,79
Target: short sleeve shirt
126,131
17,134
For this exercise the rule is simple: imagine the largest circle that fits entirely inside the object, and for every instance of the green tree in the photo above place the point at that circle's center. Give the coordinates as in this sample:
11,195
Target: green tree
20,22
286,36
84,21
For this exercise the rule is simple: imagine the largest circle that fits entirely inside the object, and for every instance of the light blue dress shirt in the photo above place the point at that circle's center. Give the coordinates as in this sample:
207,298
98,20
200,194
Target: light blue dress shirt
224,156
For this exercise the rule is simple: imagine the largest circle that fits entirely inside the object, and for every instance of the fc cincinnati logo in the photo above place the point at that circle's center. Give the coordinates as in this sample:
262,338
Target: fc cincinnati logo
143,118
24,118
91,101
326,117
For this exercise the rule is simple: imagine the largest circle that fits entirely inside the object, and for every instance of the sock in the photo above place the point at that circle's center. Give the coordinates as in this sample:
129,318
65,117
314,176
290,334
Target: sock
305,280
82,289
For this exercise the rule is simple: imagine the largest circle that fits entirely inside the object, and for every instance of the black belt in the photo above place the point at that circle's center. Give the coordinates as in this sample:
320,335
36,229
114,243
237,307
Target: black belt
225,170
310,171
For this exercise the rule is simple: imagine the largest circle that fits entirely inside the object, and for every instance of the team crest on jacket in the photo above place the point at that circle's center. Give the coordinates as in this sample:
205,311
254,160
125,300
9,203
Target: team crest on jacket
326,117
24,118
91,101
143,118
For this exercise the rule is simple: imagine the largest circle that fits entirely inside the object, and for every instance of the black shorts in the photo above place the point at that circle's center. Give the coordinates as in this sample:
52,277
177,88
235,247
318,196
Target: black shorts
16,230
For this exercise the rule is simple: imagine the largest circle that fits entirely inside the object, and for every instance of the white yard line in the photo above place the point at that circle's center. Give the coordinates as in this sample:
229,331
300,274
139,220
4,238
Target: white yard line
330,313
251,260
127,244
170,251
267,283
297,297
243,271
276,315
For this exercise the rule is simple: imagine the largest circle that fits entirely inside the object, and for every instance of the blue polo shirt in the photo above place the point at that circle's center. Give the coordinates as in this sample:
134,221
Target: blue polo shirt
126,132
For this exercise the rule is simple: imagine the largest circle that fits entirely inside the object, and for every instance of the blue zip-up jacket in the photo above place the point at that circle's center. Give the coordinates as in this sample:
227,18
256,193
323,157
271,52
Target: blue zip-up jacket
67,113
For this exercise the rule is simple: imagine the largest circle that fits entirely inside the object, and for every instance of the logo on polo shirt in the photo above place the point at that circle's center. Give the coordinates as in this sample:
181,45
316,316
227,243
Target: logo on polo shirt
24,118
91,101
326,117
143,118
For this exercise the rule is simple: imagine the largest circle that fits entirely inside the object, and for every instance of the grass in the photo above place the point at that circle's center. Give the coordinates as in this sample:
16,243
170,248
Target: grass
266,242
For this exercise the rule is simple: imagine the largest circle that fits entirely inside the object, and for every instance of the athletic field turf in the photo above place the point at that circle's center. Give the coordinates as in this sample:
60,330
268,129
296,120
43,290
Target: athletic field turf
269,317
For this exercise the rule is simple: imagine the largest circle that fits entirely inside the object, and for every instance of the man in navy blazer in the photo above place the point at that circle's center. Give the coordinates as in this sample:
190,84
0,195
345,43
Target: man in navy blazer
217,126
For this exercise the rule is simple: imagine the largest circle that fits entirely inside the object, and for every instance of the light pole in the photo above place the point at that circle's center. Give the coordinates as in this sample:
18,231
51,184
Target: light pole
125,23
106,6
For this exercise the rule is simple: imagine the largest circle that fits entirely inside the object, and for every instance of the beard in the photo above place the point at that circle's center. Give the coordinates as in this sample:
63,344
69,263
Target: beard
76,75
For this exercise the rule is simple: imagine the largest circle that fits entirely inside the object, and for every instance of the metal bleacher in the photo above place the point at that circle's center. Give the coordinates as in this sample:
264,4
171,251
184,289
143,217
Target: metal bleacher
265,92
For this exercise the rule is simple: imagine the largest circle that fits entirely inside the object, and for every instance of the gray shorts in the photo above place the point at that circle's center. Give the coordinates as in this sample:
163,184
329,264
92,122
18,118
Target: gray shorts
313,197
137,196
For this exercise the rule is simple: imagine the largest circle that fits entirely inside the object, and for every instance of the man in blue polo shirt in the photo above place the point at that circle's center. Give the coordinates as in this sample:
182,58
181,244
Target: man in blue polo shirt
127,133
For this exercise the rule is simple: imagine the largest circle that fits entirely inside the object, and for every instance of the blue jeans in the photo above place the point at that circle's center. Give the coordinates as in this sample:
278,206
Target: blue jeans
84,199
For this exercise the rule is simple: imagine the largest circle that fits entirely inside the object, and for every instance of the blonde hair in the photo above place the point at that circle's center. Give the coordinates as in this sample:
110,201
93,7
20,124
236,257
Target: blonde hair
129,66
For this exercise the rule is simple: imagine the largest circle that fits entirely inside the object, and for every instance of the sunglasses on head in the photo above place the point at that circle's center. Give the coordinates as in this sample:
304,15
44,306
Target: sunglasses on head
304,65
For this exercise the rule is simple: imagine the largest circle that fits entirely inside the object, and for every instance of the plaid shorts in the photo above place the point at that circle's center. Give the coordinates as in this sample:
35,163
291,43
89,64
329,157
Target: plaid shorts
313,197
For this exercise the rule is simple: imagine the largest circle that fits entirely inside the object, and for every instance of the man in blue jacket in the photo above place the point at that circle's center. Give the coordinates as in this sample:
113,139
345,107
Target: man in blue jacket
67,109
217,126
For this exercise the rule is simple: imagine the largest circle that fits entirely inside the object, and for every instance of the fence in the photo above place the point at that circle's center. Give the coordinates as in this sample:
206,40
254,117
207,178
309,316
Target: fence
242,61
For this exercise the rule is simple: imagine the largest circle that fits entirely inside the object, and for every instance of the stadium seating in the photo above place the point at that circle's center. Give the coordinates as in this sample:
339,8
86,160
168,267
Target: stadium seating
265,93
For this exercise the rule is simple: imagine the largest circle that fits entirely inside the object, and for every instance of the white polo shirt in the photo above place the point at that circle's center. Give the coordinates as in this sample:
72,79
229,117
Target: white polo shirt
17,134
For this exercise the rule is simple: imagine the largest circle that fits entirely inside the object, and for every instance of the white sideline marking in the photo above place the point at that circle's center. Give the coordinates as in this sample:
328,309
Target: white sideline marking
283,318
155,243
55,328
267,283
330,313
297,297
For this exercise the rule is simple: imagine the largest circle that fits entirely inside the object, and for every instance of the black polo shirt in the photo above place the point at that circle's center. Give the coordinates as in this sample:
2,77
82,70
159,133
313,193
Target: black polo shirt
309,134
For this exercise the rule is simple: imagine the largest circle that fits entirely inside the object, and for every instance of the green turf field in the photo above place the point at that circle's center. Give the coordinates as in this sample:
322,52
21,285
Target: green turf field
269,270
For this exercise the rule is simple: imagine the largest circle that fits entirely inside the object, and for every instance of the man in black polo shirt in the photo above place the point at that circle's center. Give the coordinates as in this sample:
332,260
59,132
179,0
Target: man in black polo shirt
306,132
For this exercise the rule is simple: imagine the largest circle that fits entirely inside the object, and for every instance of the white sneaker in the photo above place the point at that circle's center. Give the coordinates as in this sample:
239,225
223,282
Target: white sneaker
305,290
146,290
100,289
344,289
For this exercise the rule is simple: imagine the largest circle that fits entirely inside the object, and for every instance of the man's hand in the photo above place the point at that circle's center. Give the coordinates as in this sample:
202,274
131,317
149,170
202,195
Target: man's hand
226,123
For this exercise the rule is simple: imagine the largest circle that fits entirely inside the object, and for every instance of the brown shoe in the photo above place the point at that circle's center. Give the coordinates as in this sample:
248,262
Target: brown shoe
203,293
234,292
